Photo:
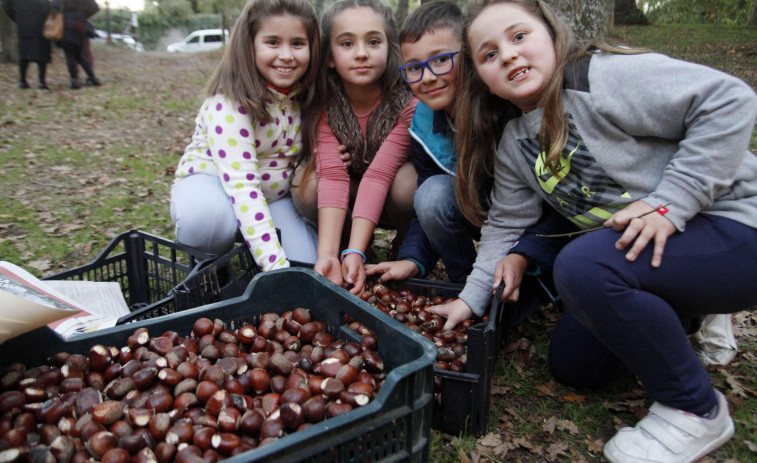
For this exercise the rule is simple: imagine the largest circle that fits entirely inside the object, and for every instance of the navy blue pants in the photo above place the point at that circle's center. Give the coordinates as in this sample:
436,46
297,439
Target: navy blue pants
628,316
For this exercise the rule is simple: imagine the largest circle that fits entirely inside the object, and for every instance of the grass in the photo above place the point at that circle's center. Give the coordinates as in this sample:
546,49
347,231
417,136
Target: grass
82,167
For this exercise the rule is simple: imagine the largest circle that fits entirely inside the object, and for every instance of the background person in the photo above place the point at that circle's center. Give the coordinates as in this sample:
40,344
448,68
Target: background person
75,13
29,16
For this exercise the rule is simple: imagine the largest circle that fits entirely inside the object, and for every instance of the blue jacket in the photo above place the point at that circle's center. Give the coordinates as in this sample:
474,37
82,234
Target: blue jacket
433,153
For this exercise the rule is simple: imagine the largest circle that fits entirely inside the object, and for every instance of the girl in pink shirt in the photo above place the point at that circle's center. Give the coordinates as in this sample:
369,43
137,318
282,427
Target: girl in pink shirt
367,110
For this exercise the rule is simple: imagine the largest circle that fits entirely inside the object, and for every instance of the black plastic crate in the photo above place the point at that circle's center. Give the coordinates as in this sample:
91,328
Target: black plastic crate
466,395
222,278
147,267
395,426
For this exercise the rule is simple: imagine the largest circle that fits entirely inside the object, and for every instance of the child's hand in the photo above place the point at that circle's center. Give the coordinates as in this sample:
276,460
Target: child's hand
345,156
330,267
354,273
455,312
510,270
393,270
641,230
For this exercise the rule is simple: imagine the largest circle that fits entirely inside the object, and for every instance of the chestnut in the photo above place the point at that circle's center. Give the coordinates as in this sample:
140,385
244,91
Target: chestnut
108,412
225,442
272,427
100,443
251,422
337,408
292,415
202,437
202,326
181,431
296,395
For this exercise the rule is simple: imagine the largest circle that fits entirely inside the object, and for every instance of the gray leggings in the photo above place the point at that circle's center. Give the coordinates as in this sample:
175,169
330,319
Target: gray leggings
205,219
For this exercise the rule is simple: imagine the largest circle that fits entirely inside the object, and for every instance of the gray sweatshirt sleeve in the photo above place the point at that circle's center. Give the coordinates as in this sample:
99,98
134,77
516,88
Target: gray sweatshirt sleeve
515,207
710,112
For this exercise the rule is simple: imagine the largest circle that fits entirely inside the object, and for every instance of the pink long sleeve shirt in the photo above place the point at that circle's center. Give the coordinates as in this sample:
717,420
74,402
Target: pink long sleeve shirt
334,181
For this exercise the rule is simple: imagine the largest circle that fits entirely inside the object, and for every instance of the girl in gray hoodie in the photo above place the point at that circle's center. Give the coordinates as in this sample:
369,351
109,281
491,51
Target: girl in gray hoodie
644,160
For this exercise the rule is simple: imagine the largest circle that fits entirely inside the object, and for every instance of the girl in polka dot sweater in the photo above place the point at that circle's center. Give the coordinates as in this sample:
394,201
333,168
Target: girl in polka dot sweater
234,176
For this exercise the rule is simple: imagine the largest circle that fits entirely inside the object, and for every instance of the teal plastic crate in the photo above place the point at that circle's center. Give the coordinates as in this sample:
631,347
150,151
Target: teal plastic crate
395,426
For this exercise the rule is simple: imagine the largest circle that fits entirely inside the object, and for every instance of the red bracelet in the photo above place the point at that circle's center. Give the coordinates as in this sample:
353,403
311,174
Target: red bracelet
662,209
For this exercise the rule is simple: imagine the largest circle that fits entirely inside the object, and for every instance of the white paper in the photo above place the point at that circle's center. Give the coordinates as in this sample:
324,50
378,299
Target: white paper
96,297
68,307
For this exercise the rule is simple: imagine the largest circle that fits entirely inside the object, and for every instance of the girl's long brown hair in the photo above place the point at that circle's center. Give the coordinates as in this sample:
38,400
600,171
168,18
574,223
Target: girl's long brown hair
482,116
236,76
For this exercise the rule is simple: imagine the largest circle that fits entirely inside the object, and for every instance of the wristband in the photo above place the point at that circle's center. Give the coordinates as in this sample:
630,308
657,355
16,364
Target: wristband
662,210
352,251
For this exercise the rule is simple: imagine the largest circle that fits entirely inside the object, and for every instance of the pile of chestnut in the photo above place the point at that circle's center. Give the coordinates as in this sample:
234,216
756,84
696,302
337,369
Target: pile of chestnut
207,396
410,310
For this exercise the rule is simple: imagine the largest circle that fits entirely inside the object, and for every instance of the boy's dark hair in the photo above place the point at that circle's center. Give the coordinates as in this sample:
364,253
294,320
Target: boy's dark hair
431,16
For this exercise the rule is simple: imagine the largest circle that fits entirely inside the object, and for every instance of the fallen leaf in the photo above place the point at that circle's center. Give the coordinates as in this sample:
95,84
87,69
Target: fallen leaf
567,425
526,444
556,449
490,440
546,389
595,446
40,264
496,390
550,424
462,456
573,397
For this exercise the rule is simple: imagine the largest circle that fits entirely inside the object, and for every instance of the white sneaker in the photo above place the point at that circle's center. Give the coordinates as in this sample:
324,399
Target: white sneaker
668,435
714,343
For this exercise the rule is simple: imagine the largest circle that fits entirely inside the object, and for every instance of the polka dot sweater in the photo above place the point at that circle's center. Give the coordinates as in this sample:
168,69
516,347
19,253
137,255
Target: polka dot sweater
254,161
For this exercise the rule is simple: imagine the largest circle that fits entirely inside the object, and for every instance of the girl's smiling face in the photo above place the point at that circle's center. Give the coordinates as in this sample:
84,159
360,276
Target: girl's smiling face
359,46
513,52
282,50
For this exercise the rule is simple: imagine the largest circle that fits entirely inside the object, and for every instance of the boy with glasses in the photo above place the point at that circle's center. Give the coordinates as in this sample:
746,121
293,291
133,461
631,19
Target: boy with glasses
430,42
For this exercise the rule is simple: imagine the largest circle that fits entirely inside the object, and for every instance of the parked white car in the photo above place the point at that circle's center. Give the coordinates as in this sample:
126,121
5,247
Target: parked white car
201,40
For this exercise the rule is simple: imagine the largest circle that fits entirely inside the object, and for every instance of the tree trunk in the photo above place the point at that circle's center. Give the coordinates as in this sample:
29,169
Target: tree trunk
591,19
8,39
401,12
752,18
627,13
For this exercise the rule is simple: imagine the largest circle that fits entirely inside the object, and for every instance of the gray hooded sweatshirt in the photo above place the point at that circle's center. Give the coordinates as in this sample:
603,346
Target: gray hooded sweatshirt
642,127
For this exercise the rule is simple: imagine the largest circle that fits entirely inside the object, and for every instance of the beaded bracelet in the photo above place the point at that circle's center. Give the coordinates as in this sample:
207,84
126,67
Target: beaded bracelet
661,209
352,251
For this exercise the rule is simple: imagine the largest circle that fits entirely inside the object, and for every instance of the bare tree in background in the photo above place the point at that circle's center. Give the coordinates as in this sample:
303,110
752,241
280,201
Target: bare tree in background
591,19
401,12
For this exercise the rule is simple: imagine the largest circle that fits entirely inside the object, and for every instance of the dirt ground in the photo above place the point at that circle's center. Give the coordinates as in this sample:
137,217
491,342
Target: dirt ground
133,73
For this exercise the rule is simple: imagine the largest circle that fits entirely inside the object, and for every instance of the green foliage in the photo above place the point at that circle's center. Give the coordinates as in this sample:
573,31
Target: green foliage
119,19
204,21
731,12
177,10
232,7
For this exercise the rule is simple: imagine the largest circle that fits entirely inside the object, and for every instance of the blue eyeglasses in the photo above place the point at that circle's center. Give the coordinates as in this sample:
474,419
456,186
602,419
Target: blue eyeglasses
438,65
